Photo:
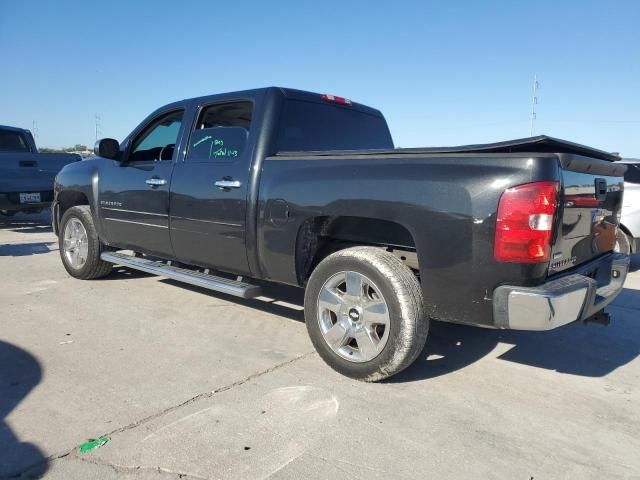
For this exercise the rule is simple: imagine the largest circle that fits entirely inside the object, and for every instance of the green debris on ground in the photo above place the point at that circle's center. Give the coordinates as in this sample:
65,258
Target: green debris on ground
92,444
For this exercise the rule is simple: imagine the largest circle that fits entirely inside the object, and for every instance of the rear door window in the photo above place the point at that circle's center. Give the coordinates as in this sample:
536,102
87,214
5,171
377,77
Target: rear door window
221,133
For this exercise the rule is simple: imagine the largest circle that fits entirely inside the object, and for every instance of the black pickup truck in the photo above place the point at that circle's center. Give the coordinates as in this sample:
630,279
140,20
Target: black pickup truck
230,191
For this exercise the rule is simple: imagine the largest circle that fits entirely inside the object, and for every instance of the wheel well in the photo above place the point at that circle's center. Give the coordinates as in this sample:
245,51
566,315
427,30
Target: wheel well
319,237
68,199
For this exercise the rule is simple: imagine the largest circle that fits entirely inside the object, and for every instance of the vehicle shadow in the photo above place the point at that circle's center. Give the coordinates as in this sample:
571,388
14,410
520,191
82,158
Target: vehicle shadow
27,222
20,372
580,349
123,273
281,300
26,249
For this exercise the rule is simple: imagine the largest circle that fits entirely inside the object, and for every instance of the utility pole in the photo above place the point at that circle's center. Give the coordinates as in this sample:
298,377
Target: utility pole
534,102
97,120
34,129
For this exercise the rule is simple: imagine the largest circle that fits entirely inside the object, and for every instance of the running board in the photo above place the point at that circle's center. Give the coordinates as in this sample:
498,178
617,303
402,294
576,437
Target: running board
199,279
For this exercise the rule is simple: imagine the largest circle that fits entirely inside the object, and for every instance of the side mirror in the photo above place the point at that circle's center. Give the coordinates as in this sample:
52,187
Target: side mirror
107,148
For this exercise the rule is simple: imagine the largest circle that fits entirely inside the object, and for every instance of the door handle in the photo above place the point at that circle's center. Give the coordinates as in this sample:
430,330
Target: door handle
155,182
226,184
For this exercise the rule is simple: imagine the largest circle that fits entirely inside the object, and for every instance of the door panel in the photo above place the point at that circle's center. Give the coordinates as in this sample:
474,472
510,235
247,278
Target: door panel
136,215
209,190
208,223
134,193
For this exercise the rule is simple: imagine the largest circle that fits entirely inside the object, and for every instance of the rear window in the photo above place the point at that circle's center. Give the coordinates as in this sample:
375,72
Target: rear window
12,142
318,126
633,173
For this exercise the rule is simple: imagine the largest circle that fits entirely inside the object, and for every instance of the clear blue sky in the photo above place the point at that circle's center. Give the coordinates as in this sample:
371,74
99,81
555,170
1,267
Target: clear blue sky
444,73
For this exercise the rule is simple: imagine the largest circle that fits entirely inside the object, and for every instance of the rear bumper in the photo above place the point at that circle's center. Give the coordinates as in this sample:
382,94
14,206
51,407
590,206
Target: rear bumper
563,300
11,201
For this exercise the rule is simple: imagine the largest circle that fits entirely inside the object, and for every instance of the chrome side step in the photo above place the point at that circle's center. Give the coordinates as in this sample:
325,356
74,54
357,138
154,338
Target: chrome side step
199,279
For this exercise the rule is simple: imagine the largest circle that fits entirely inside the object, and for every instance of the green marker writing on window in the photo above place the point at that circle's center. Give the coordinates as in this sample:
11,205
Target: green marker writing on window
203,139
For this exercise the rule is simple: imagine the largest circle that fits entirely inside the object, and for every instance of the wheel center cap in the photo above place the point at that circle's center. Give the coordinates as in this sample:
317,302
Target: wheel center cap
354,314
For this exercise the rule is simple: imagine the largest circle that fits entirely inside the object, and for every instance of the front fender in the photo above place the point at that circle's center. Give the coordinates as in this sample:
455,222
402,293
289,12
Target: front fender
76,184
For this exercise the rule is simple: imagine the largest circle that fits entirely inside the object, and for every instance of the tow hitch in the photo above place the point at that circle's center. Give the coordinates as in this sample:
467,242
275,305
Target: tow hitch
601,318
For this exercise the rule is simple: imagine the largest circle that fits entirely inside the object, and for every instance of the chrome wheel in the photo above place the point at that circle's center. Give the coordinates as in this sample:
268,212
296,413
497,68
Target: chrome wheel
353,316
75,243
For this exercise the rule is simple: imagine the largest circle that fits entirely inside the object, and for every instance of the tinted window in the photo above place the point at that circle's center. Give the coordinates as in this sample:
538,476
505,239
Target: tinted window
12,142
318,126
157,142
221,133
633,173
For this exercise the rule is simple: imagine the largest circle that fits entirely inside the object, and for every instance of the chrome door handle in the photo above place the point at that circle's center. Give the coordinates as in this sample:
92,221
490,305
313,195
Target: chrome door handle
155,182
226,184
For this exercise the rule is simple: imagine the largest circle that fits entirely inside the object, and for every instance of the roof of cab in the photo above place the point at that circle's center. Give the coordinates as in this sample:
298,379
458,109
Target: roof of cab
291,93
13,129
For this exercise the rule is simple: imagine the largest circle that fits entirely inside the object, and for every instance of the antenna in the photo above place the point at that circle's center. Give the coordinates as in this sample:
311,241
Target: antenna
534,102
97,120
34,129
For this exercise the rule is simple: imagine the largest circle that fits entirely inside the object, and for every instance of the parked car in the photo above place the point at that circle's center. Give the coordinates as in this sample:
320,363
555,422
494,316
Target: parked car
629,231
277,185
26,176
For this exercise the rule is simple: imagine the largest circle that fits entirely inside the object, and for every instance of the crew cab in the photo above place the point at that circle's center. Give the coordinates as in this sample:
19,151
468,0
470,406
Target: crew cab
26,176
230,191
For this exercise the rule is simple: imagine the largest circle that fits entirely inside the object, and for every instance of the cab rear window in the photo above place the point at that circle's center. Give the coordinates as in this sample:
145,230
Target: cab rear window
309,126
12,142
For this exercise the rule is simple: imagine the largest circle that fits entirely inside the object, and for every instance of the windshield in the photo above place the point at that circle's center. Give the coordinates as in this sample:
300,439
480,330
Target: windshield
11,141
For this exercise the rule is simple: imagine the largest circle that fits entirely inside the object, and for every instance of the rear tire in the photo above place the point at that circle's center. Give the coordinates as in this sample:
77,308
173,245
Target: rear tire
80,249
623,245
365,313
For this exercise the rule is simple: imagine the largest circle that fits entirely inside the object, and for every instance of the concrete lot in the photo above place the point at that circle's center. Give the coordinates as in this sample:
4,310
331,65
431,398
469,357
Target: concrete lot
192,384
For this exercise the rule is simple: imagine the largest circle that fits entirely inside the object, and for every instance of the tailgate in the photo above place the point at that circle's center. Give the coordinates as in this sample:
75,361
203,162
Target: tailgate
589,211
25,172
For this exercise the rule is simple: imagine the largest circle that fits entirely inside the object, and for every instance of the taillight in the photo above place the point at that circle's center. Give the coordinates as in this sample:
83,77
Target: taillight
334,99
525,222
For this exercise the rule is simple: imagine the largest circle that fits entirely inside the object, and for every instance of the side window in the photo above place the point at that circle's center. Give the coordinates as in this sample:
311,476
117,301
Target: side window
157,142
221,133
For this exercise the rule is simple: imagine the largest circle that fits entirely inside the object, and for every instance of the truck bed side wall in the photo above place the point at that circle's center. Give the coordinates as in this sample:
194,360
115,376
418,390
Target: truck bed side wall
446,202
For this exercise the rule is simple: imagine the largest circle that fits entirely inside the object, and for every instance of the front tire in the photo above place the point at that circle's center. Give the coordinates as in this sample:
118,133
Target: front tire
80,246
365,313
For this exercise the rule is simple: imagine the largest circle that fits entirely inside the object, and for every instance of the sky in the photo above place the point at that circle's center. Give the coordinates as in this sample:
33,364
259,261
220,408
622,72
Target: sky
443,73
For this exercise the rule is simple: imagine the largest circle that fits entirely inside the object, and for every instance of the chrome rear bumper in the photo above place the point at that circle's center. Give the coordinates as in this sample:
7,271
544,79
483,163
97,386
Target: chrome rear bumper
564,300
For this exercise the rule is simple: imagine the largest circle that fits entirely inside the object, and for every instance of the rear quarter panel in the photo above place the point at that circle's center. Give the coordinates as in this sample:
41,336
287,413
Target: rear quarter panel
447,202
